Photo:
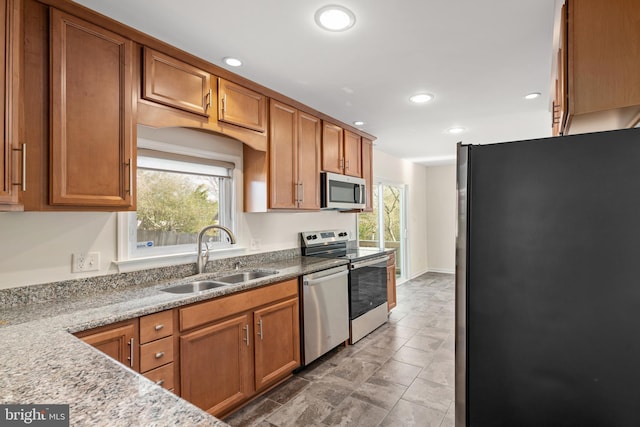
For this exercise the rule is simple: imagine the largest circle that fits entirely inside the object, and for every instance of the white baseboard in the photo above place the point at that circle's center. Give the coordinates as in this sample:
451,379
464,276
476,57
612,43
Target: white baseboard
441,270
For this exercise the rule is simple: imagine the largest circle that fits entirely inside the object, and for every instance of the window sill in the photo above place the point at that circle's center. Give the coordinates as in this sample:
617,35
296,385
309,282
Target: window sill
136,264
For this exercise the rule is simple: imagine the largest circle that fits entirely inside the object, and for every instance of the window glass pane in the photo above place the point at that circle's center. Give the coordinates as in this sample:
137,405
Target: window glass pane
172,207
368,234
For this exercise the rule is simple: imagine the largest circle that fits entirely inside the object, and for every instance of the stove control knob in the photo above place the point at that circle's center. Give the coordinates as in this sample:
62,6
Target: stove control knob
343,234
315,236
309,237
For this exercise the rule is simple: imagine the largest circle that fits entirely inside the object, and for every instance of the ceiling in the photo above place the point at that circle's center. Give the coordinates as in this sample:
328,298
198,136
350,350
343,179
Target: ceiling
479,59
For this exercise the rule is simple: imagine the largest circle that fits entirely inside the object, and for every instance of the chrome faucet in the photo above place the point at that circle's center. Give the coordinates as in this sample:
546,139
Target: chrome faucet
203,256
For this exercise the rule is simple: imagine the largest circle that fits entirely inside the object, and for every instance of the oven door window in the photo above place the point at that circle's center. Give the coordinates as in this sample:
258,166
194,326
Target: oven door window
367,288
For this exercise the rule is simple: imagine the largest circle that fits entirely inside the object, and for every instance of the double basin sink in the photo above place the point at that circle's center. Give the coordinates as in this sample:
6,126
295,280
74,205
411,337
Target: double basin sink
231,279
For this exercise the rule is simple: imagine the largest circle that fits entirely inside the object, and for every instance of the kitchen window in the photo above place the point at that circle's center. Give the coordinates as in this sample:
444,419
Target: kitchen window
177,195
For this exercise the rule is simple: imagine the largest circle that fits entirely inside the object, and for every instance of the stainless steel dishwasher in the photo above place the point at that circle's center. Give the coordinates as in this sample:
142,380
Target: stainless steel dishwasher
325,306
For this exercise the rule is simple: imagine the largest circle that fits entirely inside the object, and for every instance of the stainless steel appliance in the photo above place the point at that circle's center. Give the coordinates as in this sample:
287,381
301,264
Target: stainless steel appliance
367,278
341,191
547,291
325,302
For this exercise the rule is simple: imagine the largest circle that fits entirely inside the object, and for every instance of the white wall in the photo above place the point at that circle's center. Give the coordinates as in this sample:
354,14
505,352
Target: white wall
441,218
387,168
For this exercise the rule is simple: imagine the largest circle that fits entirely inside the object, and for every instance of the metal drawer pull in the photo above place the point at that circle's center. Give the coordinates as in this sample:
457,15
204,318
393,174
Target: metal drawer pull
159,354
158,327
131,352
160,382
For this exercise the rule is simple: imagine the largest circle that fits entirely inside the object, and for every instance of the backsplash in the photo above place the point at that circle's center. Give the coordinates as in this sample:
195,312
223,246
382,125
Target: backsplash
47,292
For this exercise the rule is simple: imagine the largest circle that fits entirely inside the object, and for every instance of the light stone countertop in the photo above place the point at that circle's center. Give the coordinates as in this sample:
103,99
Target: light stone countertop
42,363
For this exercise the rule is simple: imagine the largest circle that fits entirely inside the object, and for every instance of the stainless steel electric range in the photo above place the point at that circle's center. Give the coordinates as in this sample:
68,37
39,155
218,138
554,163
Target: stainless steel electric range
367,278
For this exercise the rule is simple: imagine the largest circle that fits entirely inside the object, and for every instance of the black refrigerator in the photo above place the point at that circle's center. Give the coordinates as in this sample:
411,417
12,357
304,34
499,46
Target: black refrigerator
548,282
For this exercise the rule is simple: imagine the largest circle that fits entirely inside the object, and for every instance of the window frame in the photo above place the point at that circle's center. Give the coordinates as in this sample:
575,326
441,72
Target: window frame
129,258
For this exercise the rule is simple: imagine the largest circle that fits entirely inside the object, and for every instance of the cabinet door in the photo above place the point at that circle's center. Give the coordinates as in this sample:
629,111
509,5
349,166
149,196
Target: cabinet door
352,154
216,365
117,342
9,97
283,173
308,161
241,106
277,342
171,82
391,282
332,148
92,123
367,172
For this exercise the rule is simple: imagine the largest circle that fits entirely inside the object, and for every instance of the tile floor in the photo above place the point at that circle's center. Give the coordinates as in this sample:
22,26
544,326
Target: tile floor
402,374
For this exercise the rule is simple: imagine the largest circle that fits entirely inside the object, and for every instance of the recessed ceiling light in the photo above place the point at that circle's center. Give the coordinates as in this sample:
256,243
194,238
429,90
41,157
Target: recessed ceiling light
421,98
232,62
532,95
335,18
456,129
358,123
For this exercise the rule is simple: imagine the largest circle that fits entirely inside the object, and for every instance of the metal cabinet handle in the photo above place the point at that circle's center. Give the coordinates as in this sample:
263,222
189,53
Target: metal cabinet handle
129,165
246,339
23,150
260,331
341,163
131,342
158,327
348,165
224,103
301,192
160,382
159,354
208,99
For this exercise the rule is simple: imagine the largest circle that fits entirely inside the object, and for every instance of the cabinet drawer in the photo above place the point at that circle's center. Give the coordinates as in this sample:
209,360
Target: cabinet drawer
156,353
156,326
219,308
163,376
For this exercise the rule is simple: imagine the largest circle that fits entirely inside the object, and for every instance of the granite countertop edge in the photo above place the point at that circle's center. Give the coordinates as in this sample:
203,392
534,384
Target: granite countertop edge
42,363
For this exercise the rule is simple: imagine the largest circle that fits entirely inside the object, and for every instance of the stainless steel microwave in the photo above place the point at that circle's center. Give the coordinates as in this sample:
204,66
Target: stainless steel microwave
341,191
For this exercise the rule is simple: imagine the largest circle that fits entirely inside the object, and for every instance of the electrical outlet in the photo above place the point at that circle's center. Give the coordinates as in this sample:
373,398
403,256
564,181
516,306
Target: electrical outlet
255,244
81,262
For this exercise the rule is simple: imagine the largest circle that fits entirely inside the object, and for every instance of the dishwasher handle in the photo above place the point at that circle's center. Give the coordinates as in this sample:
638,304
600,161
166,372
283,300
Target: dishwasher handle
314,282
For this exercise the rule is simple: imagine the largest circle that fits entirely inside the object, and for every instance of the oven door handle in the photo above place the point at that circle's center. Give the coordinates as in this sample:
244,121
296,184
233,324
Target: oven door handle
314,282
366,263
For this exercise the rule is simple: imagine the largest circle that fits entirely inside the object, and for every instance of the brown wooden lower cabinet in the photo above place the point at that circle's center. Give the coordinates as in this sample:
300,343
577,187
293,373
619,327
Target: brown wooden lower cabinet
229,349
237,346
277,342
391,282
215,369
118,341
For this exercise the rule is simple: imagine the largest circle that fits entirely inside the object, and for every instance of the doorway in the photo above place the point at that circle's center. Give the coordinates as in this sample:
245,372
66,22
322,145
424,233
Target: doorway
385,226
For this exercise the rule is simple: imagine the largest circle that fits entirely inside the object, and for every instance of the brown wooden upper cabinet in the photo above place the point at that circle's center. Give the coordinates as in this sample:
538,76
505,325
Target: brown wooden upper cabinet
174,83
352,154
92,121
241,106
341,150
332,148
11,145
367,171
597,67
294,156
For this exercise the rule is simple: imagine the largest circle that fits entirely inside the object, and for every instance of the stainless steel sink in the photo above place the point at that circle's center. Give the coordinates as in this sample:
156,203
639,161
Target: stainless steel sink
245,276
193,287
